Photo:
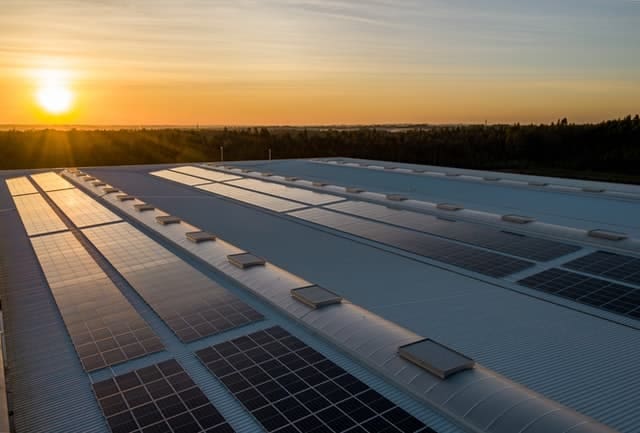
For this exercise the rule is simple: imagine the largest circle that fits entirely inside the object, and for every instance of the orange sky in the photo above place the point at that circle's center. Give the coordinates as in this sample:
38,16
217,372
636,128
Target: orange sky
321,62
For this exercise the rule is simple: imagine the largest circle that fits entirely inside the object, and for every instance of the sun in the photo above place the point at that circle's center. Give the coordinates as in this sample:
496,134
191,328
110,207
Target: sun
54,94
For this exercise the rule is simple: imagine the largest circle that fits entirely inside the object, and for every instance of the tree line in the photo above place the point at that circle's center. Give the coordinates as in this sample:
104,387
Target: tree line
608,150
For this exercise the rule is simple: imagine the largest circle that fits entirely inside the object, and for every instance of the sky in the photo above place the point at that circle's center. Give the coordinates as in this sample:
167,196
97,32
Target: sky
275,62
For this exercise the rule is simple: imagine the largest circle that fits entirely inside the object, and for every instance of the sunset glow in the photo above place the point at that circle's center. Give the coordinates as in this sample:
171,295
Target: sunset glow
53,93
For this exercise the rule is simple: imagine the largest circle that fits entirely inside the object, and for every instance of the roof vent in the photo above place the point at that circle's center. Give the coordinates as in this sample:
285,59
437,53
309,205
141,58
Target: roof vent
89,178
200,236
80,174
98,183
167,219
452,174
125,197
449,206
435,358
396,197
491,178
110,190
142,207
246,170
315,296
592,189
353,189
267,174
605,234
536,183
316,183
390,168
518,219
419,170
245,260
291,178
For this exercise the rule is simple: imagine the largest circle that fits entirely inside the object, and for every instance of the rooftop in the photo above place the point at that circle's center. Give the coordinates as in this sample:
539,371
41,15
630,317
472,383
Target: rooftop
532,282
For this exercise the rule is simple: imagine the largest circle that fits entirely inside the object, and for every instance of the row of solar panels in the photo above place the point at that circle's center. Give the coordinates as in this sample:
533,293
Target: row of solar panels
425,235
106,330
381,345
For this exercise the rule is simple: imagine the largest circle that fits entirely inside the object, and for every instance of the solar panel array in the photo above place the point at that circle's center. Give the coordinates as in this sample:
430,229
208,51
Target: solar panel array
615,266
179,177
215,176
287,192
50,181
189,302
289,387
161,398
104,328
253,198
474,234
20,186
466,257
37,216
613,297
81,209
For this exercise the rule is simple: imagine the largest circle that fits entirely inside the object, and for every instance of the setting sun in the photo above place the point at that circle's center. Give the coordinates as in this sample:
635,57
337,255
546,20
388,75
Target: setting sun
54,94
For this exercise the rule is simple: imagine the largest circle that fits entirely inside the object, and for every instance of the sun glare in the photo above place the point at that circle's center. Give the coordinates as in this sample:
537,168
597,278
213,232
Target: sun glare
54,94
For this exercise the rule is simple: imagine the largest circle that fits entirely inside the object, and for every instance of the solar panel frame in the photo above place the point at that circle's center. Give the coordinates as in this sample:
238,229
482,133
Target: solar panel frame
183,179
81,209
287,192
251,197
20,186
189,302
104,328
50,181
287,386
212,175
37,216
159,398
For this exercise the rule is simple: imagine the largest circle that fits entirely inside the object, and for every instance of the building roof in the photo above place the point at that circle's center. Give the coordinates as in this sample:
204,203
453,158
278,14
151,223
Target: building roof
509,274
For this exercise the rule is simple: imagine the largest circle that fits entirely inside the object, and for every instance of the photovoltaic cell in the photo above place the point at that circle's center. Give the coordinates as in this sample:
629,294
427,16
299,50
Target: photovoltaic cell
161,398
289,387
615,266
190,303
82,210
216,176
613,297
37,216
20,186
179,177
51,181
474,234
287,192
104,327
253,198
466,257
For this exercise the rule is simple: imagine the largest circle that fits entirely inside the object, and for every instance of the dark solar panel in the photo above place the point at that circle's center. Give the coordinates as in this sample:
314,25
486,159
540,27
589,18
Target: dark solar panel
104,328
161,398
615,266
474,234
188,301
289,387
613,297
483,262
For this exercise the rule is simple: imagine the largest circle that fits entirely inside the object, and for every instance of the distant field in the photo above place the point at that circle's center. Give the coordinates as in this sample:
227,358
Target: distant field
608,151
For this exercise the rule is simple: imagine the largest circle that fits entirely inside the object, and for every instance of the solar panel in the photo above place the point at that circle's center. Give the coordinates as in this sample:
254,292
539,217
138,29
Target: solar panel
189,302
179,177
104,328
613,297
289,387
82,210
474,234
251,197
20,186
161,398
50,181
615,266
287,192
37,216
216,176
466,257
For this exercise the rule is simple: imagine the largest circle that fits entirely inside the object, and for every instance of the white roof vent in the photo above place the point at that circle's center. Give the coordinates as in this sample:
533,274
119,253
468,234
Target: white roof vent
267,174
396,197
436,358
142,207
291,178
245,260
353,189
608,235
167,219
449,206
89,178
517,219
316,183
110,190
315,296
200,236
98,183
125,197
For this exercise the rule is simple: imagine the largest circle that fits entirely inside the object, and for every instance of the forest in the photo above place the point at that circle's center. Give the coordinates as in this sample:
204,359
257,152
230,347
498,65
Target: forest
608,150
